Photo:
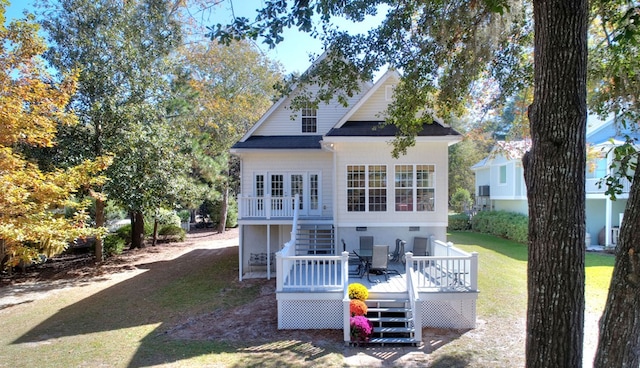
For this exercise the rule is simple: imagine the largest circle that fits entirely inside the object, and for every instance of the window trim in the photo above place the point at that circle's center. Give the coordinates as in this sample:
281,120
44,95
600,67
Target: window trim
367,188
500,168
414,205
309,120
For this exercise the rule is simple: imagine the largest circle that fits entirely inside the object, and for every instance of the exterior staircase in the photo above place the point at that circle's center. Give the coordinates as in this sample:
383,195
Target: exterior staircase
315,239
392,321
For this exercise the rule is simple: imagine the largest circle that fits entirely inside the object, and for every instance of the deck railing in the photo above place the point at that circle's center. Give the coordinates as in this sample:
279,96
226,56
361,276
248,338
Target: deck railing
448,269
266,207
311,273
592,185
414,297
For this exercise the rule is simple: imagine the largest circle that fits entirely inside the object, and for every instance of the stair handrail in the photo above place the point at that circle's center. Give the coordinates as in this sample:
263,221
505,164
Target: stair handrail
287,250
414,298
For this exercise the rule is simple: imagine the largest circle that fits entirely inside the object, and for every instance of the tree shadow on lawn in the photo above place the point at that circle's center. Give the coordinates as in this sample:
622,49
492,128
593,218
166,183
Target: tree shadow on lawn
200,288
163,294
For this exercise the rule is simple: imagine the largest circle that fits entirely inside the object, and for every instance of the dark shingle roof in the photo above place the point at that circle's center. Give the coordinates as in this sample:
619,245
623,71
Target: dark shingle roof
281,142
373,129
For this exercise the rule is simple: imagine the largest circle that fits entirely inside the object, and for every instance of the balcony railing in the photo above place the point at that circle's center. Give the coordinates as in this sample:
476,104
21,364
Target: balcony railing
591,186
265,207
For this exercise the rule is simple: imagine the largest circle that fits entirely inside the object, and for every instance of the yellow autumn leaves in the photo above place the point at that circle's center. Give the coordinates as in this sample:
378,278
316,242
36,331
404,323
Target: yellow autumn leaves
33,202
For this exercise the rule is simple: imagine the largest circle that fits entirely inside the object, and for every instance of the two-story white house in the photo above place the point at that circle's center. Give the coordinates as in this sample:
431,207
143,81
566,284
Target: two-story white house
313,178
500,182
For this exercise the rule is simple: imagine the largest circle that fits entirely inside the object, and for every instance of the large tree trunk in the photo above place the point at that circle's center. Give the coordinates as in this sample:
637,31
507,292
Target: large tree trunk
137,230
224,208
99,223
555,178
619,344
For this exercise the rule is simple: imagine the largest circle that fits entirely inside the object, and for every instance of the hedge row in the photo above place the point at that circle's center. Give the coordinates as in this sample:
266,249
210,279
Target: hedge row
509,225
459,222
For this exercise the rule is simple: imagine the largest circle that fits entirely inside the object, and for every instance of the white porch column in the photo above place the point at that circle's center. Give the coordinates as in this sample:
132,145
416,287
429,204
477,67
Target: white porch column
607,223
268,251
240,251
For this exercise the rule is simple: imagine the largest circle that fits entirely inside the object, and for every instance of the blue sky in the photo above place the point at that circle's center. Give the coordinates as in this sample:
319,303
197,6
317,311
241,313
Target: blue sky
292,53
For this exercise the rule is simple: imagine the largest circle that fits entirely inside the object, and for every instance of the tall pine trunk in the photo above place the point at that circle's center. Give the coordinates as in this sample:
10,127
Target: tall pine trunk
99,223
137,230
555,178
224,208
619,343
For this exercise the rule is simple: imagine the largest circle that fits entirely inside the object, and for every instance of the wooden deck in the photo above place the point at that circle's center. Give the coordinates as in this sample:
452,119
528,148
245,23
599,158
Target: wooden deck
397,282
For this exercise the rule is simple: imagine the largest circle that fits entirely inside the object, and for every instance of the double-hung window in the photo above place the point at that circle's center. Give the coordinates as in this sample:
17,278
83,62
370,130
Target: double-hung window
415,188
502,175
366,188
309,120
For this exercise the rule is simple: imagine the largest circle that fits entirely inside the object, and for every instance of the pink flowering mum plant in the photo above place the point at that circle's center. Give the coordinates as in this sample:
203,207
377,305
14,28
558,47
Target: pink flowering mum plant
361,329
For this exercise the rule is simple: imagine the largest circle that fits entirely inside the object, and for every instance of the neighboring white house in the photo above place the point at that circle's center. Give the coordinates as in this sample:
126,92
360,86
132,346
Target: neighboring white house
500,182
327,175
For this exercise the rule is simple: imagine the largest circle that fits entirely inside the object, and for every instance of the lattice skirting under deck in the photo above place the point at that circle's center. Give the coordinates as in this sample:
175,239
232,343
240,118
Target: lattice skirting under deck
455,314
310,314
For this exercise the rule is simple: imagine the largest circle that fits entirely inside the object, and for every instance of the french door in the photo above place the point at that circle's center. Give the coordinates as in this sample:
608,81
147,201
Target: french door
282,186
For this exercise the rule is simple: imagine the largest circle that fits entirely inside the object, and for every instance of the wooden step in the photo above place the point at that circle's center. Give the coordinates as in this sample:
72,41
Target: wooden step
389,319
368,301
389,309
392,340
407,330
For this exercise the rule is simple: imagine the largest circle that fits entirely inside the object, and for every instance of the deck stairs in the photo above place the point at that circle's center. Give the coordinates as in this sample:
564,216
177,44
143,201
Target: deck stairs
315,239
392,321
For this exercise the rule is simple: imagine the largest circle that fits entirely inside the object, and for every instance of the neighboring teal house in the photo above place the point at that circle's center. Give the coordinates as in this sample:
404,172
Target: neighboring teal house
500,182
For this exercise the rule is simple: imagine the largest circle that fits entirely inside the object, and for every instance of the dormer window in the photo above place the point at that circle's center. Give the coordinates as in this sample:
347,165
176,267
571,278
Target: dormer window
309,120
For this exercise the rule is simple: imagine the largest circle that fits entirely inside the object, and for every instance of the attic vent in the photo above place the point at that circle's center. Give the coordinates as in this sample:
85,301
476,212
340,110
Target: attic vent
388,92
414,228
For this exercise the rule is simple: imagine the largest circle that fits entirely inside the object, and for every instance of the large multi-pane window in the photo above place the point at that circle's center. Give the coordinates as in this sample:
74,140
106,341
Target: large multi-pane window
309,120
415,187
377,188
366,188
356,187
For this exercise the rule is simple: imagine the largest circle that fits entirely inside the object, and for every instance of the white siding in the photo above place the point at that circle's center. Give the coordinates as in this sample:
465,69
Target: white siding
379,154
372,109
280,123
290,162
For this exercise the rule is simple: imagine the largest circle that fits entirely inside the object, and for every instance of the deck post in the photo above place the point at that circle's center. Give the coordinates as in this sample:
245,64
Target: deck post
409,263
279,272
345,299
268,205
474,271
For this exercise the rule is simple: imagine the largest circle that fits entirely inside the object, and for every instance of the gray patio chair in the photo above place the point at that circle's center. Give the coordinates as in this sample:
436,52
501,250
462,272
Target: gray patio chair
356,264
380,262
366,242
398,253
420,246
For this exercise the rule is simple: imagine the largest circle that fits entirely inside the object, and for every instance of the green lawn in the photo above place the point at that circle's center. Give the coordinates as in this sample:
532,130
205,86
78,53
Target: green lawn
503,274
124,325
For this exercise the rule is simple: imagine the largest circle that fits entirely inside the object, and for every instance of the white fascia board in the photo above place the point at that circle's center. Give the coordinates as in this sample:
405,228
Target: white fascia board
392,225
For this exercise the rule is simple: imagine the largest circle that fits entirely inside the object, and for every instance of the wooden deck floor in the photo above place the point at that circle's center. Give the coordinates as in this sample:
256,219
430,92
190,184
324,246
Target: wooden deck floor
396,282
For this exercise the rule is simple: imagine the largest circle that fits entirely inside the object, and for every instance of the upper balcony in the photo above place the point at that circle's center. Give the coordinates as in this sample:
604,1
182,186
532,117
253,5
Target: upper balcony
592,187
276,208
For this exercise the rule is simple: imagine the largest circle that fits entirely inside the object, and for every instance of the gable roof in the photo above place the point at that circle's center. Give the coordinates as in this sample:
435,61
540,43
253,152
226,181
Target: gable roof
280,142
511,150
375,129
